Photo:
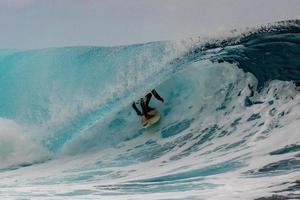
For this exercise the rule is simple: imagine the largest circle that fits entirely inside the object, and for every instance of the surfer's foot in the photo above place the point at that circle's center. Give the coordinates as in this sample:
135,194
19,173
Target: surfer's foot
149,116
150,109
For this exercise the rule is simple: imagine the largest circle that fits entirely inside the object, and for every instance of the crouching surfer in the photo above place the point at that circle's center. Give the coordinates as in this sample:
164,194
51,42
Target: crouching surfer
144,103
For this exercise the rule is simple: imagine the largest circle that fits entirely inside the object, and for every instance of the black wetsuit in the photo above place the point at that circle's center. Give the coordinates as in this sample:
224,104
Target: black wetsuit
144,102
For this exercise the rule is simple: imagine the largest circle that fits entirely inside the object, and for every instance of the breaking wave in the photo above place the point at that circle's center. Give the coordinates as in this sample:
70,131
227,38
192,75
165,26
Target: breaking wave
229,127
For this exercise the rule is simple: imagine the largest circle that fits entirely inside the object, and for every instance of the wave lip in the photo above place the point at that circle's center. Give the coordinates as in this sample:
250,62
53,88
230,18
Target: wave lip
269,52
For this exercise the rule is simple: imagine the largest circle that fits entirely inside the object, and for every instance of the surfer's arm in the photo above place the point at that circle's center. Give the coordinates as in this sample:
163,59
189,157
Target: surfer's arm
138,112
156,95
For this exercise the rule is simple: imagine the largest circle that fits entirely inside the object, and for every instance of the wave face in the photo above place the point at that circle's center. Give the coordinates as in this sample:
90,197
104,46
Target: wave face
229,126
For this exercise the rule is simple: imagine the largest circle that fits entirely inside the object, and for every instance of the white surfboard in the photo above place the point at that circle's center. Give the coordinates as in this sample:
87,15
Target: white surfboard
148,122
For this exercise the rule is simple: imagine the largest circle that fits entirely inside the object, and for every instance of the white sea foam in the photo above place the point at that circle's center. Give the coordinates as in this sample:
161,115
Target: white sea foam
16,147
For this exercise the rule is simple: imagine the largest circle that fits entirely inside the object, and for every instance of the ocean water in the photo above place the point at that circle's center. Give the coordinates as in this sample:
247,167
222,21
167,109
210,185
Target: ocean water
229,128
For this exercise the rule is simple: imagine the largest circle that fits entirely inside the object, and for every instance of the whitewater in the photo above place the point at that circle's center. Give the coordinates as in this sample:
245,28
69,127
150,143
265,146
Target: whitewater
229,128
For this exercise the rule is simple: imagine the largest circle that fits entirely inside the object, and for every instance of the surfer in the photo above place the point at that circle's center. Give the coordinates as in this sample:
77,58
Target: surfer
144,102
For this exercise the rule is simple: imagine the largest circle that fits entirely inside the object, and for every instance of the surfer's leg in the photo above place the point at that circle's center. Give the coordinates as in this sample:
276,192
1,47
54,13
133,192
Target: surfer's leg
148,98
145,109
138,112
